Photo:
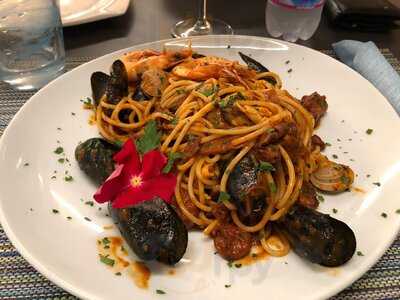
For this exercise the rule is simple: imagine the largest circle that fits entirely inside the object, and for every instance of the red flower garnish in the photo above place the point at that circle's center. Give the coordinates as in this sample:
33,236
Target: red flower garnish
135,181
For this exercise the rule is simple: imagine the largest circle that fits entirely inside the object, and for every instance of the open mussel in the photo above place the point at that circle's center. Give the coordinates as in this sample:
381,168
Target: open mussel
115,85
95,158
248,188
153,230
318,237
256,66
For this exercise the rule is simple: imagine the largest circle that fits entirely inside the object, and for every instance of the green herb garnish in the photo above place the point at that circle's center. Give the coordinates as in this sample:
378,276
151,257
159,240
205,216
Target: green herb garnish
377,183
320,198
228,101
229,263
68,178
172,156
55,211
328,144
227,285
118,274
223,196
369,131
69,218
334,156
265,166
384,215
160,292
91,203
151,138
359,253
59,150
345,180
87,219
238,265
334,210
272,187
105,241
398,211
61,160
106,260
180,91
26,164
175,120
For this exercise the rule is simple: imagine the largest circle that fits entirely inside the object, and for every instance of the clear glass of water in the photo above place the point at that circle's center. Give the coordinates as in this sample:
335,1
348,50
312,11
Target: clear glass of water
31,43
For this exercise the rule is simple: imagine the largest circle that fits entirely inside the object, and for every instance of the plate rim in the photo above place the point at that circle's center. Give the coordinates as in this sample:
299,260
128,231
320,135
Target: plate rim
78,292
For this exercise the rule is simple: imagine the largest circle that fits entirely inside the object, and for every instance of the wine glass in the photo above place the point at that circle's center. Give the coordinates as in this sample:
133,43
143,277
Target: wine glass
203,25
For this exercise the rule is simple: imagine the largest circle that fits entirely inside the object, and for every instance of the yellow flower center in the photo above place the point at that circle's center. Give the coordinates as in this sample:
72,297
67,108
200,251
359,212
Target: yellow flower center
136,181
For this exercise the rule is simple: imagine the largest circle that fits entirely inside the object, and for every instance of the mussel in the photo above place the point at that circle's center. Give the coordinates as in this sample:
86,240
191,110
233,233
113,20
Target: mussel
95,158
153,230
318,237
115,85
332,177
247,187
256,66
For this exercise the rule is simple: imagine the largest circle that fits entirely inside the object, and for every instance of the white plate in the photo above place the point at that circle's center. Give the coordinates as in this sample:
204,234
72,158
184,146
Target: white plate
65,251
75,12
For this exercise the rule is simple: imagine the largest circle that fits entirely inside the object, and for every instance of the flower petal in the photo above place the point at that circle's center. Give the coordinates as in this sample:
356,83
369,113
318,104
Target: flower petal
128,153
111,187
153,162
162,186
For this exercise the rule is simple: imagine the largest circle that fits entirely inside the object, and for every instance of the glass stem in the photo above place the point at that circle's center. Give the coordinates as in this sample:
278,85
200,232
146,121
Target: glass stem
202,25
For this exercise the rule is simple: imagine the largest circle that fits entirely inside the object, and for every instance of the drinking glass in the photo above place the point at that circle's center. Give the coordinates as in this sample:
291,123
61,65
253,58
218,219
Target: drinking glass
31,43
203,25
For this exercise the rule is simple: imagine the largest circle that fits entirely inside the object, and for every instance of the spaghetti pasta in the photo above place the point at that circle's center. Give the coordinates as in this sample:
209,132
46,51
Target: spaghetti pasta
216,113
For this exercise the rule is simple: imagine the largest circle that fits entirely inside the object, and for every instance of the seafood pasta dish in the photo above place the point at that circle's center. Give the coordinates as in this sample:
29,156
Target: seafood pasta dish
194,142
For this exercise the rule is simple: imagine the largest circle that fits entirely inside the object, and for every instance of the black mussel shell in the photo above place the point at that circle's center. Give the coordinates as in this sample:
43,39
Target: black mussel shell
244,182
118,84
95,158
99,82
318,237
153,230
139,95
256,66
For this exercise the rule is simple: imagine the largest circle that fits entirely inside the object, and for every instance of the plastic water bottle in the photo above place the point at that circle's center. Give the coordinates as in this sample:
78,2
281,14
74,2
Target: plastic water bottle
293,19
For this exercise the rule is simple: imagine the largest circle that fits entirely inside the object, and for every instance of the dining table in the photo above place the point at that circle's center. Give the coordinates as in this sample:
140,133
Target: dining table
152,20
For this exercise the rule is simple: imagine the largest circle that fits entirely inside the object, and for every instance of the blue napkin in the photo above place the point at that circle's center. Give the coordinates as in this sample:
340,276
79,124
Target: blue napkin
367,60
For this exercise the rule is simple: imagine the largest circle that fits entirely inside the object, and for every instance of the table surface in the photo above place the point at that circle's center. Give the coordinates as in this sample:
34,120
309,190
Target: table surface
151,20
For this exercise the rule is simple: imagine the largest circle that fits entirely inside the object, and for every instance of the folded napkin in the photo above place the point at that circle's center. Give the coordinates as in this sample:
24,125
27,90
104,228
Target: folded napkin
367,60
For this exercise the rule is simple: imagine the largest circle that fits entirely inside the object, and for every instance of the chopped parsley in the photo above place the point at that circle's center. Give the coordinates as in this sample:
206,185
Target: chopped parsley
87,101
53,177
90,203
238,265
359,253
69,218
344,180
106,260
160,292
254,255
118,274
228,285
272,187
151,138
328,144
265,166
68,178
223,196
290,70
334,156
26,164
105,241
211,91
334,210
73,114
172,156
61,160
87,219
229,263
368,175
398,211
376,183
175,120
59,128
369,131
180,91
228,47
55,211
384,215
228,101
287,62
59,150
320,198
